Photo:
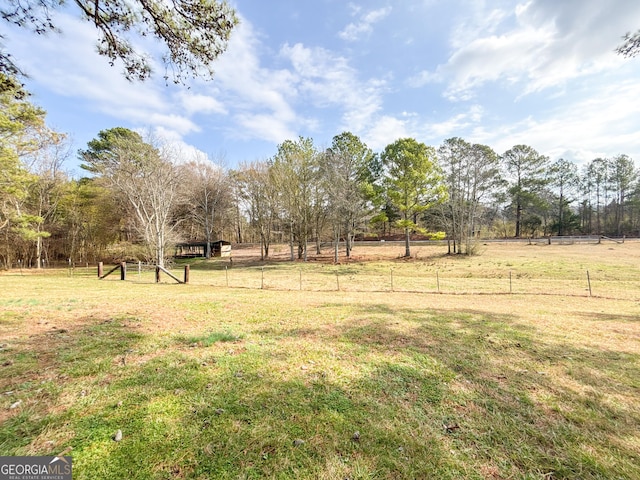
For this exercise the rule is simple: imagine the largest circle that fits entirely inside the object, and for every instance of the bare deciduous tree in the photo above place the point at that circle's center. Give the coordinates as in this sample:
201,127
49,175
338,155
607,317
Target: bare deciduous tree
295,170
258,192
147,178
471,173
208,197
345,172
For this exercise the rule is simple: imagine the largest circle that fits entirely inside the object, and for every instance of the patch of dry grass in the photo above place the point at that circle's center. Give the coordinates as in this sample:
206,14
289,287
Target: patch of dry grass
603,270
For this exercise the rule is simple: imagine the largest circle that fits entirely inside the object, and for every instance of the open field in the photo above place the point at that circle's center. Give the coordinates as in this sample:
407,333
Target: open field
609,269
263,379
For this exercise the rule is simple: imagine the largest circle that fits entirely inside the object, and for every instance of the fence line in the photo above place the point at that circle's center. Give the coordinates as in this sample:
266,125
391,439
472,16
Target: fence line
330,278
621,284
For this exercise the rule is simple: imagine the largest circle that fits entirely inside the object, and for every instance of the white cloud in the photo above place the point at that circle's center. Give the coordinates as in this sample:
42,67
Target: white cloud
197,103
478,21
264,126
537,45
603,123
423,78
174,147
386,130
455,124
261,97
328,80
365,23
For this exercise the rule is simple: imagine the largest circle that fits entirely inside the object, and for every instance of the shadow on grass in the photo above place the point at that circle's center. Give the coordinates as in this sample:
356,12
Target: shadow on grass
40,370
608,317
392,393
524,404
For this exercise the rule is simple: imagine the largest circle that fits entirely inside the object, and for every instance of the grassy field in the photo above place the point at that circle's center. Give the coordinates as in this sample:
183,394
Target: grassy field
282,375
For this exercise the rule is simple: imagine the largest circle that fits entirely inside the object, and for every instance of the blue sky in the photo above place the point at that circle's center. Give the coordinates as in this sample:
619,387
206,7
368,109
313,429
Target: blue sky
501,73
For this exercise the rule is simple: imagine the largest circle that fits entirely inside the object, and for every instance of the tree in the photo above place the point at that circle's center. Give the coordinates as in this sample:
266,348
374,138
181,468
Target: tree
623,175
47,188
345,172
21,126
631,45
145,176
526,169
259,194
193,32
90,219
564,176
208,196
595,183
413,182
295,169
471,174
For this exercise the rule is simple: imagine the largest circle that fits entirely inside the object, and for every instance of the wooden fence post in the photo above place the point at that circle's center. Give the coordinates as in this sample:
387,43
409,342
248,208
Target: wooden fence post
157,274
187,270
100,269
123,271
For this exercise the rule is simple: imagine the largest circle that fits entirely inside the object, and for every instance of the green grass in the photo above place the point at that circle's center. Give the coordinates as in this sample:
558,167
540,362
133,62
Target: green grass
209,382
208,339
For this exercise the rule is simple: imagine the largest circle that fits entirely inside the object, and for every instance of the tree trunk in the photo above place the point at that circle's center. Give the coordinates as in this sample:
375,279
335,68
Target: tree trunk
518,219
407,242
291,243
38,252
160,250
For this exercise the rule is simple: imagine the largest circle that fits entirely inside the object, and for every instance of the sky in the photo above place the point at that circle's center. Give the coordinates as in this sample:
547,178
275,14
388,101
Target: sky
541,72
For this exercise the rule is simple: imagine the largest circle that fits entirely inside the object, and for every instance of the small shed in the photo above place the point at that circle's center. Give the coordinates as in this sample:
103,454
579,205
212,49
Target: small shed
219,248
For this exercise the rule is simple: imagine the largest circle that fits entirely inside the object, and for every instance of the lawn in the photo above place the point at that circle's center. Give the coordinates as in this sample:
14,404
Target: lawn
360,371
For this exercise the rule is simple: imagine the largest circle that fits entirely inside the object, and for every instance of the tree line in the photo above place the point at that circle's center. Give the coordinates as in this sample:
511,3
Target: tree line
139,196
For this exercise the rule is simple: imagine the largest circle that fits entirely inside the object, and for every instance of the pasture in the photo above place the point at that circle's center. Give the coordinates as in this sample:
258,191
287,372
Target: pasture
497,366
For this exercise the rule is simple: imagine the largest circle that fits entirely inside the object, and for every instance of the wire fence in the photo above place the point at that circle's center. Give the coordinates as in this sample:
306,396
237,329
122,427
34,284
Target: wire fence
344,278
614,283
507,282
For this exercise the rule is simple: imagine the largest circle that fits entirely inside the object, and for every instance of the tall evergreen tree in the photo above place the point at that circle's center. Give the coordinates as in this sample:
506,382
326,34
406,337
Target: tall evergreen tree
563,175
526,174
413,182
